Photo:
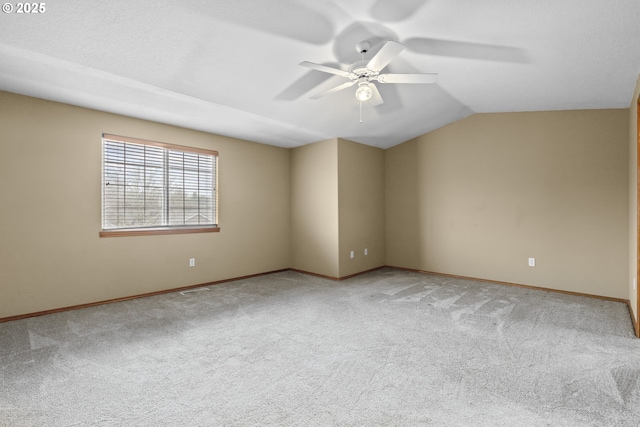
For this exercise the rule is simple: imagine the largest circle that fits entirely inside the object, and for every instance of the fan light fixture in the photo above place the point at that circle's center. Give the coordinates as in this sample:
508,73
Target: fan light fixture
364,92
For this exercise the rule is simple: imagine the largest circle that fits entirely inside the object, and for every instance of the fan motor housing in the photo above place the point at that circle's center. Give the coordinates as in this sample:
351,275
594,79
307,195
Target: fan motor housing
360,69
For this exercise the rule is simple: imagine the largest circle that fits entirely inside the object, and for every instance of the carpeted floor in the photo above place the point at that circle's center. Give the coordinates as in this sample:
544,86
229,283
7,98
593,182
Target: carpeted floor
388,348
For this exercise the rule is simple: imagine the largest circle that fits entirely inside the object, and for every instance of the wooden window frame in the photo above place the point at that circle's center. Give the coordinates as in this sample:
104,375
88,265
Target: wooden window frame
163,230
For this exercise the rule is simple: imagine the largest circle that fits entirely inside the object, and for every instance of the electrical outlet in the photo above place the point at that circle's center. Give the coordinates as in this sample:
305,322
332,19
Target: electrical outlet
366,251
352,254
532,262
192,262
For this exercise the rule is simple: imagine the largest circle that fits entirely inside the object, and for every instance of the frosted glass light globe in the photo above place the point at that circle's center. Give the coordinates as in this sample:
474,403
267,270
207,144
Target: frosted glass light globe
364,92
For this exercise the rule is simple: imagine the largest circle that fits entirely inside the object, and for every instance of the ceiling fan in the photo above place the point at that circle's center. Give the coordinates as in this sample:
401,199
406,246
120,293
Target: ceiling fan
364,73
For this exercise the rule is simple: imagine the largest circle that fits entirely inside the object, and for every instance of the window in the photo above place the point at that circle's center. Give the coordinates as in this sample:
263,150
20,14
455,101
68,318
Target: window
157,188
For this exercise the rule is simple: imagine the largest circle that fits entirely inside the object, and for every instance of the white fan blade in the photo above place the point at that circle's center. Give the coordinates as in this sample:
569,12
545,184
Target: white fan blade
396,11
408,78
376,98
334,89
385,55
325,69
467,50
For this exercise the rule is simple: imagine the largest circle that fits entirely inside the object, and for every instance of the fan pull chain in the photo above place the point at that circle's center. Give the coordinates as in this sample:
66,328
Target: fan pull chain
362,57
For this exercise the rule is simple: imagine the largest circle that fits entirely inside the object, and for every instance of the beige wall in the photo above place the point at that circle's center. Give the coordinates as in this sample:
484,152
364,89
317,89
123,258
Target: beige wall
50,179
475,198
337,205
633,200
479,197
360,207
314,208
403,225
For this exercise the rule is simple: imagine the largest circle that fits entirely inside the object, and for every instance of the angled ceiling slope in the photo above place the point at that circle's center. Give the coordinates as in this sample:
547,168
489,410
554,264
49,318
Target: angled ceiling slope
231,67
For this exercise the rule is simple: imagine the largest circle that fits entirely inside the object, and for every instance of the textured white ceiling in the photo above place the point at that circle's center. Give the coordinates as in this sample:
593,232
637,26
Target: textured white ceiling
230,67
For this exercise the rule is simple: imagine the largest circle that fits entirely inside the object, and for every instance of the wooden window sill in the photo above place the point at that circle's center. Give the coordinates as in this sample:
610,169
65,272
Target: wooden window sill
158,231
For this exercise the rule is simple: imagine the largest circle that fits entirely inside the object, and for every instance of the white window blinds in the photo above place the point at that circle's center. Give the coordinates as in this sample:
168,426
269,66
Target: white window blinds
155,185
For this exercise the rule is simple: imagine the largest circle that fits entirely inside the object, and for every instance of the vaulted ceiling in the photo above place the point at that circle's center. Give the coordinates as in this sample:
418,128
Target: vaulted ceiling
230,67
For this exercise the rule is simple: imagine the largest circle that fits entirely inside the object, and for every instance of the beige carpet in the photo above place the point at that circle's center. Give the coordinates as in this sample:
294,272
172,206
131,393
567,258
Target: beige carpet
388,348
